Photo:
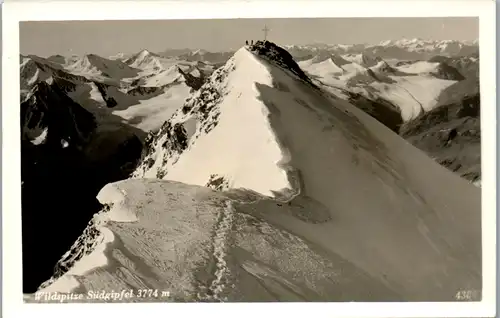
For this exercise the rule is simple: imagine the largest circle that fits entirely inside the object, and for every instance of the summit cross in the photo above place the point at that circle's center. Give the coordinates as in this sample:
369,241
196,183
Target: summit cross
266,31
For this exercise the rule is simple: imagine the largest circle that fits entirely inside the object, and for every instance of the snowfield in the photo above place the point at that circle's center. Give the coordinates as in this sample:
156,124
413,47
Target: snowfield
163,77
411,87
413,94
321,203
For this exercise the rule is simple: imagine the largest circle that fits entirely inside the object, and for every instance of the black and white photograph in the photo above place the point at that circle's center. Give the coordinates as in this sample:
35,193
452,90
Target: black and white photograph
251,160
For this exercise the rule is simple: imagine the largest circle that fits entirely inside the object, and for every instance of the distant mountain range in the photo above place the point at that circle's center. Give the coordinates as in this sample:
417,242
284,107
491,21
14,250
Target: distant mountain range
402,49
405,49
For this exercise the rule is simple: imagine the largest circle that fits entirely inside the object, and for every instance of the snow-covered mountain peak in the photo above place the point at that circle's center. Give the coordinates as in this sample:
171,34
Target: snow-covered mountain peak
95,60
92,65
144,52
210,123
199,52
141,55
362,59
148,61
230,110
32,72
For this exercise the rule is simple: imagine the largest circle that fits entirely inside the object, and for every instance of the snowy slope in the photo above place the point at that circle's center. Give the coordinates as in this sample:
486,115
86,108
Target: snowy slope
413,94
402,49
149,114
423,90
414,87
299,232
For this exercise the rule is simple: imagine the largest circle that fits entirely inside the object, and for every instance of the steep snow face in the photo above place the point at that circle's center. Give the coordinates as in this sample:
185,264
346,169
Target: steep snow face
225,116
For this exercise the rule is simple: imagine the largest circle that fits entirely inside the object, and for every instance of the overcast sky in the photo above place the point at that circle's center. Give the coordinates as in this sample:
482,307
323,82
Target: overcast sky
111,37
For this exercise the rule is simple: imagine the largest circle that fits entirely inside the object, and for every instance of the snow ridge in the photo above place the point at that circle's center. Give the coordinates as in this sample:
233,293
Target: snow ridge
208,124
200,112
